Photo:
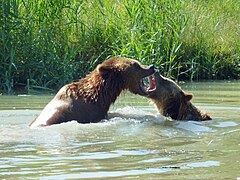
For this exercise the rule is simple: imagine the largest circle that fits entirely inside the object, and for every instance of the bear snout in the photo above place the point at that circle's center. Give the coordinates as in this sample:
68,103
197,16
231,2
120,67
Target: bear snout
151,70
151,66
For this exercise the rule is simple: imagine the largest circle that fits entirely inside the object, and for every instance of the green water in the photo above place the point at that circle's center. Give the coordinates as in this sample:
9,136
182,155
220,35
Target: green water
136,143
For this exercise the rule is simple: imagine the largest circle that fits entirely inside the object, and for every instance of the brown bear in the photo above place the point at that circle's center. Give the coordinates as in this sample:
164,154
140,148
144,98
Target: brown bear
89,99
172,101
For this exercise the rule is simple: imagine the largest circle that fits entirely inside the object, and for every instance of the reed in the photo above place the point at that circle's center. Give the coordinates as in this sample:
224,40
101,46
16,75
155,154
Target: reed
47,43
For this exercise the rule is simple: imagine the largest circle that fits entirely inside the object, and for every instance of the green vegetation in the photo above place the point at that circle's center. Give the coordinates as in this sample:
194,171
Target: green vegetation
47,43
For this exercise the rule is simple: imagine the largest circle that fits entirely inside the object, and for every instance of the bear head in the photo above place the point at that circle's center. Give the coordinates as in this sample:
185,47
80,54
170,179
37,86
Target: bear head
127,72
172,101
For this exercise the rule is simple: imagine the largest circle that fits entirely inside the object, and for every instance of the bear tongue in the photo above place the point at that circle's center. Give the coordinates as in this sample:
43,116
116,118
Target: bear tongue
152,85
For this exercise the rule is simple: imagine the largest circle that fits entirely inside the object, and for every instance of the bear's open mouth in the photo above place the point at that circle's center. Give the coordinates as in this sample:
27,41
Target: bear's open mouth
148,84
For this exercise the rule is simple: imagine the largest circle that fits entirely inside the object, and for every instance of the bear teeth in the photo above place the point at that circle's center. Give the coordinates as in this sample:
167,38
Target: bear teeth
152,84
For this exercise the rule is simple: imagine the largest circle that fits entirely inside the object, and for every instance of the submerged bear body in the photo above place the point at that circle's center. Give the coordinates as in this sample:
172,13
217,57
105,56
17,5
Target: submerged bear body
89,99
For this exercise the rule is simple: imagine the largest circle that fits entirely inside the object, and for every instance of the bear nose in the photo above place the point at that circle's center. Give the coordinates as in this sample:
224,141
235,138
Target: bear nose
151,66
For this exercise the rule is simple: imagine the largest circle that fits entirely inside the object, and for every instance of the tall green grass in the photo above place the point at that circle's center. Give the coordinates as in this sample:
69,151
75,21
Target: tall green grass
47,43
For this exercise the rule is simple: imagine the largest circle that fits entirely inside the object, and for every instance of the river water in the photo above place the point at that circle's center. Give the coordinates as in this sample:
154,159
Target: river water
135,143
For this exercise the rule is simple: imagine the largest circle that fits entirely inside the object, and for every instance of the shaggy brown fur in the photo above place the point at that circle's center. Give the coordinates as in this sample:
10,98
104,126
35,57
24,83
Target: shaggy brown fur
89,99
172,101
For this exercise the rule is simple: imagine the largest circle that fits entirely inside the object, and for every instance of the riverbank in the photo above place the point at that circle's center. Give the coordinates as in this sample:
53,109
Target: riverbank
46,44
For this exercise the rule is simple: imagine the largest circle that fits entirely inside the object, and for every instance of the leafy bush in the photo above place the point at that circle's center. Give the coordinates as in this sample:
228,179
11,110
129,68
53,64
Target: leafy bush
48,43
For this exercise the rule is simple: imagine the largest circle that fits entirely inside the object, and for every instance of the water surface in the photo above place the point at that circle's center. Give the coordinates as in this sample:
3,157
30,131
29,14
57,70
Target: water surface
135,143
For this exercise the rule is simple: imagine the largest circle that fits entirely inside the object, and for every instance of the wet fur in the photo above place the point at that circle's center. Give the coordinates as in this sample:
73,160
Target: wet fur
97,88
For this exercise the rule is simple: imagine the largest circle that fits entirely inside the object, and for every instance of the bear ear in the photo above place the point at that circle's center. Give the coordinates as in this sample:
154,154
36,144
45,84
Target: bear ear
104,69
188,97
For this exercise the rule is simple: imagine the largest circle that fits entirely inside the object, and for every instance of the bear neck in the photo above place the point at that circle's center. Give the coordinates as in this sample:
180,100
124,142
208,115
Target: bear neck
111,87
